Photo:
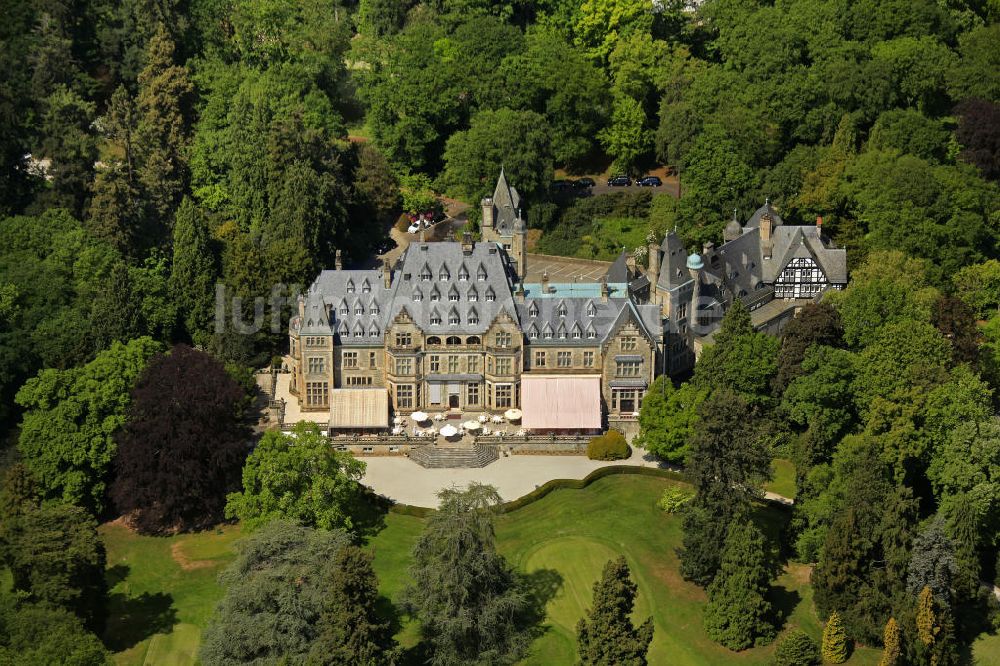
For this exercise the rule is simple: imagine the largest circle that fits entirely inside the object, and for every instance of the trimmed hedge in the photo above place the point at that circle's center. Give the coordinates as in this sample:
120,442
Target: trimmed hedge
555,484
609,446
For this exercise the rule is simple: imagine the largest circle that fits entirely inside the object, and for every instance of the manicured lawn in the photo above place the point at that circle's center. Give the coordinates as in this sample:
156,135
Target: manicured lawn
783,482
163,591
986,650
562,542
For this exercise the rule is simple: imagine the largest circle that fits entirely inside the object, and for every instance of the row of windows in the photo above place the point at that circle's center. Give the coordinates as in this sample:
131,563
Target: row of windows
453,296
561,309
444,274
408,395
359,309
564,359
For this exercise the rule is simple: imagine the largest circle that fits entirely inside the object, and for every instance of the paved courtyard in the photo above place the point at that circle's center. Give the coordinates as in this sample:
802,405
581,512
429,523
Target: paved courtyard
564,269
406,482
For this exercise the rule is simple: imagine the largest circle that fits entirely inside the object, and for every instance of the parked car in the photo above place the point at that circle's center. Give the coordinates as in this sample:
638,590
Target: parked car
561,185
620,181
584,183
650,181
413,228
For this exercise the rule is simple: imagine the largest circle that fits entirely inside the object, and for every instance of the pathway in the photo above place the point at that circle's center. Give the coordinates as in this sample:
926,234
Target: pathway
402,480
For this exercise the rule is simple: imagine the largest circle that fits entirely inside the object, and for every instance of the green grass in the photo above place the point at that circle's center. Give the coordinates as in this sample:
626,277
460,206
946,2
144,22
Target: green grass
157,608
986,650
563,540
610,235
783,482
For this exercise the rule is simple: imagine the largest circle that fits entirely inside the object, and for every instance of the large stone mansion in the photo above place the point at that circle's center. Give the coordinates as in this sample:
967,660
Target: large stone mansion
455,326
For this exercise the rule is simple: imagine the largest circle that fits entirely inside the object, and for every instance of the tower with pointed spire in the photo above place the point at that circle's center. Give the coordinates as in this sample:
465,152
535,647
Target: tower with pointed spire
503,223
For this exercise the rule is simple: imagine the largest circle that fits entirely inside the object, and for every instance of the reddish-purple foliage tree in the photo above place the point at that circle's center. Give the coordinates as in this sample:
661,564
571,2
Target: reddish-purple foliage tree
979,133
183,446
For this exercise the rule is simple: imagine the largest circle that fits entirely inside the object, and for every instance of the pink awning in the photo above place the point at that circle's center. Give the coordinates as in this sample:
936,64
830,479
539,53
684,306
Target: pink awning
569,402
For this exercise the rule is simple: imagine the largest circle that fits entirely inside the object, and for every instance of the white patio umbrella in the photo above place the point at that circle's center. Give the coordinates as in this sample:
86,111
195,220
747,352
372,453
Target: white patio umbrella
512,415
483,418
472,425
449,431
419,417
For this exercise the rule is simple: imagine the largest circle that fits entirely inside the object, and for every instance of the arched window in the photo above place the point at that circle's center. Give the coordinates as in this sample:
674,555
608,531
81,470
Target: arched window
434,340
453,340
473,340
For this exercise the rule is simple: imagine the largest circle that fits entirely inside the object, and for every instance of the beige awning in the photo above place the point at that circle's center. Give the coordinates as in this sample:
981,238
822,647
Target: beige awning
561,402
359,408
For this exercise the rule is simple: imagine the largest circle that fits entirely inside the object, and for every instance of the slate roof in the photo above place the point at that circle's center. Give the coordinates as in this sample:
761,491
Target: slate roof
754,221
582,321
351,305
618,271
438,281
673,267
805,241
506,207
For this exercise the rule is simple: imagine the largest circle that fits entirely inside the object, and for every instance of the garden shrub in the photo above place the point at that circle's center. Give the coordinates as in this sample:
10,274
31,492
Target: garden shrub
797,649
609,446
673,499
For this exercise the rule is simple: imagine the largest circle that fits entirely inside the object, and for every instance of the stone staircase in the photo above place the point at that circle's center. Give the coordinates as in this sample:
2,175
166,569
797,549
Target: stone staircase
437,457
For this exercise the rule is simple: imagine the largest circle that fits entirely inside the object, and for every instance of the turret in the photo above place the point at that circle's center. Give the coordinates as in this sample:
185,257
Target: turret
733,229
694,266
654,263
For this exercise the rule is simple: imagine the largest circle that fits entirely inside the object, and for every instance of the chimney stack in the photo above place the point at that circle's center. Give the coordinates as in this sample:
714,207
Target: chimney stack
338,261
604,290
386,275
545,282
766,229
654,264
302,308
467,244
519,292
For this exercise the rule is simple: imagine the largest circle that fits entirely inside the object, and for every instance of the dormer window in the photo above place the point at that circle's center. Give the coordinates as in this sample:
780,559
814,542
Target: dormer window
425,273
359,308
417,295
473,317
350,286
591,310
591,333
435,295
473,295
547,332
577,333
453,295
532,332
435,318
373,332
562,332
359,332
490,295
533,309
343,329
463,273
344,310
374,308
481,273
562,309
453,318
443,274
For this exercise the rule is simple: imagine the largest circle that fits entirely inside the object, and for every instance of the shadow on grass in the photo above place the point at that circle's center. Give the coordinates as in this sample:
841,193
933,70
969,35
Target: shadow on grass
783,602
134,619
367,512
541,586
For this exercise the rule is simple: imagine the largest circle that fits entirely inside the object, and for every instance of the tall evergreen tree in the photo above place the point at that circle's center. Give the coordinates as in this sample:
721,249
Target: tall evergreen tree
606,636
891,644
466,596
162,131
835,646
935,631
738,614
349,631
728,465
68,142
56,557
194,270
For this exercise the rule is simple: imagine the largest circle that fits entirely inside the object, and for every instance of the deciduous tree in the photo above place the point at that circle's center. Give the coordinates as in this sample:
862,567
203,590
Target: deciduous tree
298,477
668,418
33,634
183,444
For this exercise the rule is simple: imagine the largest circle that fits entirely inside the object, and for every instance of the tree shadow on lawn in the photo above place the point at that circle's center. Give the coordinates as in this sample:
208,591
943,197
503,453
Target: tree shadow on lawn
784,601
134,619
541,586
367,511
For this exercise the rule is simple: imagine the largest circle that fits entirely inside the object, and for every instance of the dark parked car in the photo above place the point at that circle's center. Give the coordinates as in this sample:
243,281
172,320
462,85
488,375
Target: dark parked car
584,183
650,181
561,185
620,181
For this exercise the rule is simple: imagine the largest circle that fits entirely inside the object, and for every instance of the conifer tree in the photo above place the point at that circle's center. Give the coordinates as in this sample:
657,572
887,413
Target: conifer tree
834,640
607,637
738,611
891,639
194,270
162,107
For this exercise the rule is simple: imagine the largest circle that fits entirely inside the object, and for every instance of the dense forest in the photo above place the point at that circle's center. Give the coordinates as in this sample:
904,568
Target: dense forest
166,162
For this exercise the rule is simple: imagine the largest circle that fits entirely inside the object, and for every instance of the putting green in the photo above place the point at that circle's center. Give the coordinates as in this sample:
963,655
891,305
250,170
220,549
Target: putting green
577,563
